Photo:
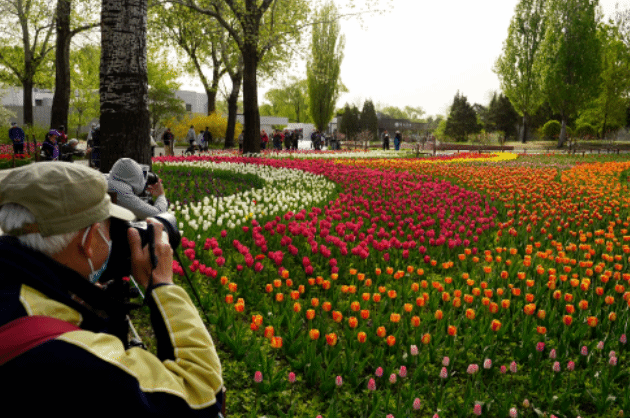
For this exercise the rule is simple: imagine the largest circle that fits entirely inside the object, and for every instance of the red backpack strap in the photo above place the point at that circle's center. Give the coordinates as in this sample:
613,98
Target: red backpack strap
28,332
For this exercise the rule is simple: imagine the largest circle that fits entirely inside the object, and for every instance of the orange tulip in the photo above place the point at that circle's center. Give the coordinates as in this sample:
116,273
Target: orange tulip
353,322
495,325
391,340
452,331
361,337
380,331
314,334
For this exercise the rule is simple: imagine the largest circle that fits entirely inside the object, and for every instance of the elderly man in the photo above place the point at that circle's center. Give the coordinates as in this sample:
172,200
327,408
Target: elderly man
57,348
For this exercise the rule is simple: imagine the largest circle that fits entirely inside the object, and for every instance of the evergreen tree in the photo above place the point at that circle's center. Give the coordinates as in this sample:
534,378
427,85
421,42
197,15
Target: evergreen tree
462,119
350,123
502,116
369,120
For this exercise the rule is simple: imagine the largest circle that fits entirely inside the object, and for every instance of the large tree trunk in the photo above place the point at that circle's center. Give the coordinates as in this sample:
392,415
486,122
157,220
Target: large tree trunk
233,108
251,137
27,97
525,128
61,99
125,120
563,132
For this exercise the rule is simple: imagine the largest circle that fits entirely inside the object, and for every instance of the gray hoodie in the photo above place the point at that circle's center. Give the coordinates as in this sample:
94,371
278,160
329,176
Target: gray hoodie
127,180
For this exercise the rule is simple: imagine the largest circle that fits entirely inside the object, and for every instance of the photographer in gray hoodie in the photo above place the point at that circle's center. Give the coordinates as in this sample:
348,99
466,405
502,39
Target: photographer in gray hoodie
128,181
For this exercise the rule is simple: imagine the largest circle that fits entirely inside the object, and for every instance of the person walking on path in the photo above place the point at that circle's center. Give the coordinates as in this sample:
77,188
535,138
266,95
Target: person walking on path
385,140
207,139
16,135
397,140
167,139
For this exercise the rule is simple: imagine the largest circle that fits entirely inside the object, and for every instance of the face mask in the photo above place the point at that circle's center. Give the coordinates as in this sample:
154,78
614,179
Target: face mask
95,275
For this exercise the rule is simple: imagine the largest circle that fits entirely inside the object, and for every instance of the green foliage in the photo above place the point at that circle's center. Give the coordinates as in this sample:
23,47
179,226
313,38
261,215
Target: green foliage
85,75
350,123
462,119
607,111
193,184
502,116
290,100
520,81
551,129
412,114
570,56
163,104
324,65
369,120
585,130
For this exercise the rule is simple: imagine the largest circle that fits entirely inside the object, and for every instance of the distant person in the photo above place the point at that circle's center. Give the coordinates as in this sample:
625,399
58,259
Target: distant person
63,138
191,136
16,135
277,140
167,139
201,142
70,150
241,140
385,140
207,139
288,140
264,139
152,143
397,140
50,146
294,140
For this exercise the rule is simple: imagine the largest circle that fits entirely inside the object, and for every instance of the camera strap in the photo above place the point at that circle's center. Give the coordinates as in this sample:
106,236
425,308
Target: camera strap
28,332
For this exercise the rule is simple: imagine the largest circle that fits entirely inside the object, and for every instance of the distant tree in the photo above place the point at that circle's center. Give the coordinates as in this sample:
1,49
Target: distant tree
570,57
162,78
433,122
502,116
462,119
26,41
195,36
350,123
483,116
516,66
84,99
324,65
369,120
70,20
290,100
608,110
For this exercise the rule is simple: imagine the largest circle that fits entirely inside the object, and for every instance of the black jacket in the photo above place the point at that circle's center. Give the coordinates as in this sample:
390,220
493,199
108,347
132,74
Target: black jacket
89,371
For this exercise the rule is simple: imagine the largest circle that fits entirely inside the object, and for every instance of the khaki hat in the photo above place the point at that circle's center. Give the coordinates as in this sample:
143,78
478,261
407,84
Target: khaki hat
63,197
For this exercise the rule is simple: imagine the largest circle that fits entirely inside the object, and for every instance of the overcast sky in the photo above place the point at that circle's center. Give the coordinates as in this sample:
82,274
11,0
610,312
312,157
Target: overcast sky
422,52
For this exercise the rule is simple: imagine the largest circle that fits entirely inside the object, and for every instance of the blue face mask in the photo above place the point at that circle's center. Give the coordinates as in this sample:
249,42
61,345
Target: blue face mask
95,275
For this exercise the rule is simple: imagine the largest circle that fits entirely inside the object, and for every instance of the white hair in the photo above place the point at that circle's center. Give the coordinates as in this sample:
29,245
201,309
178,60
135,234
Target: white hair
14,216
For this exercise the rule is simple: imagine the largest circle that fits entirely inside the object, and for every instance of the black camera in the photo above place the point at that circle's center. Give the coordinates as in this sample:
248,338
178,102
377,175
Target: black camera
120,259
151,179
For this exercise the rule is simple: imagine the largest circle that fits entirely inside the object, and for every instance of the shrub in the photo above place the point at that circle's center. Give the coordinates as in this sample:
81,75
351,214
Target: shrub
551,129
216,123
584,130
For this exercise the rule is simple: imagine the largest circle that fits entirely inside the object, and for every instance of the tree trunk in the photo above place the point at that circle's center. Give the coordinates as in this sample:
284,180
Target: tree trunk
525,128
251,137
61,99
125,120
563,132
233,108
27,97
212,93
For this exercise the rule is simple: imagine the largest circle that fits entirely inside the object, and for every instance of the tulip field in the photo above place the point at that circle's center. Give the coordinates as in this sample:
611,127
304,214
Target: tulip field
357,284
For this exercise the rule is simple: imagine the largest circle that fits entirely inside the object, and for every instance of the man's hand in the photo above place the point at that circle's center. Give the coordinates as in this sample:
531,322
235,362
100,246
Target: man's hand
141,262
156,189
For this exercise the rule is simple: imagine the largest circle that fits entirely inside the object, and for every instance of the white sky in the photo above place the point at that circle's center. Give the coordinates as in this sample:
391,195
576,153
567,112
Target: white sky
422,52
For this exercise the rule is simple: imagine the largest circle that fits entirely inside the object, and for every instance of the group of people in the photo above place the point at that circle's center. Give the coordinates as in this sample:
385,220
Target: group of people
287,139
397,140
56,146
